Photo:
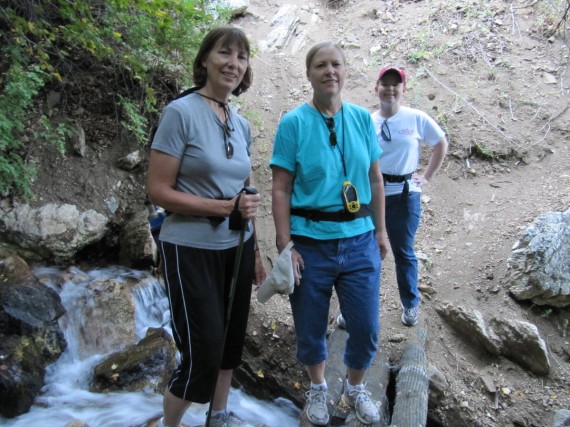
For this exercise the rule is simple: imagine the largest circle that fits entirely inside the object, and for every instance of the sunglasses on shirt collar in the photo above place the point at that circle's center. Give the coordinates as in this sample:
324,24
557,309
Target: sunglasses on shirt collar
385,131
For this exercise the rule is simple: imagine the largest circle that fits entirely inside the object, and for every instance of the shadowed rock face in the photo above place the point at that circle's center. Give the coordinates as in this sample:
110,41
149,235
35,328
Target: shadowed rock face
30,338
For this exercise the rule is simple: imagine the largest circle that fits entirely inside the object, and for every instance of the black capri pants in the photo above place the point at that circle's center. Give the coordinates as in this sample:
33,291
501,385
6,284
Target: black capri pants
198,286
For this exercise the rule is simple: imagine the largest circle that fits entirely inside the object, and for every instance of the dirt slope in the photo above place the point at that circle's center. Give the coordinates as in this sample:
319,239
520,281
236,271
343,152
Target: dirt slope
486,71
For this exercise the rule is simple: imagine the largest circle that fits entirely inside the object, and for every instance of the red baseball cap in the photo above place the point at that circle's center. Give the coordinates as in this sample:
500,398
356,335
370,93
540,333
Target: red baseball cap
394,68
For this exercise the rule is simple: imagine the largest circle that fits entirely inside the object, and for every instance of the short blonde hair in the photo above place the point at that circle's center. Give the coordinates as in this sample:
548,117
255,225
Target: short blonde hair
313,51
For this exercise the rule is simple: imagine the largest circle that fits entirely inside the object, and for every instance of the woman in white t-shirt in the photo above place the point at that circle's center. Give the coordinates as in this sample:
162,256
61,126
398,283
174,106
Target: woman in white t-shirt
401,132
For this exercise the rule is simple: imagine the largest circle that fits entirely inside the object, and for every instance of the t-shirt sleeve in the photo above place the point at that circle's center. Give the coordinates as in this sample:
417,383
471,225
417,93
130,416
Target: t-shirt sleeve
375,150
431,132
285,145
170,135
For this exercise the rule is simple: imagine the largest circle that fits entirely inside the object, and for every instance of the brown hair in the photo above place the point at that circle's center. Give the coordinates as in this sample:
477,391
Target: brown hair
227,35
313,51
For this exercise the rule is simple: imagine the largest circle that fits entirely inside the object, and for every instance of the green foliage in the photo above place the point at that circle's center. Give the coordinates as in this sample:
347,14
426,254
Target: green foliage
133,121
425,48
48,132
146,44
20,85
442,120
483,151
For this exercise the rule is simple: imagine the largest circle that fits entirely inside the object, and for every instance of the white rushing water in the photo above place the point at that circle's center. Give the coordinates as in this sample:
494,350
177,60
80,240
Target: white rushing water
66,396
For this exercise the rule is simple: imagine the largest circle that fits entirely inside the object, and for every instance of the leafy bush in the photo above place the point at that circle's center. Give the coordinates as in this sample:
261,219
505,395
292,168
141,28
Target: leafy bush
149,45
19,88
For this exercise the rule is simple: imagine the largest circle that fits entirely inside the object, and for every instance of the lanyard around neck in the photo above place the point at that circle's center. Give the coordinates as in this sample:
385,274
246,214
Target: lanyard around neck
329,123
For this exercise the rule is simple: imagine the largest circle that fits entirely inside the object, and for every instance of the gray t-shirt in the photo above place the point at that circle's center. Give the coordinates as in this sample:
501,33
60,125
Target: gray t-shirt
190,131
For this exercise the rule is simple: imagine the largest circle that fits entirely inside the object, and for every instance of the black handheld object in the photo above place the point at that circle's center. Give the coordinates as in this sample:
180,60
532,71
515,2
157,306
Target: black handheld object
236,221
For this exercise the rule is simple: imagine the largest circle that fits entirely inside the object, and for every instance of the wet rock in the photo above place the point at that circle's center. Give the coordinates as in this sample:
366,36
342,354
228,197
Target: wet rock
143,366
30,337
106,321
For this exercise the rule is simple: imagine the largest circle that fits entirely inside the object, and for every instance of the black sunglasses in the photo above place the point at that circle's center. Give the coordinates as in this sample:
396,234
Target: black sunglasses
227,144
385,131
330,126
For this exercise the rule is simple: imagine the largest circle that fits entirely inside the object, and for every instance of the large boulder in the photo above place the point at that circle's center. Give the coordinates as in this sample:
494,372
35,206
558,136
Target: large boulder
539,265
54,232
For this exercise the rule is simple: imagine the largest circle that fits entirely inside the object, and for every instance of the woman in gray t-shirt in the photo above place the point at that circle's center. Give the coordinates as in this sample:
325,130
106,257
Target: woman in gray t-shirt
199,163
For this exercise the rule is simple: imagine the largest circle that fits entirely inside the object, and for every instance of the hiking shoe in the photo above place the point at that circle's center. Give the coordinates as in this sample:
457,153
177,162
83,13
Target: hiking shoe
359,399
410,315
229,419
340,321
317,410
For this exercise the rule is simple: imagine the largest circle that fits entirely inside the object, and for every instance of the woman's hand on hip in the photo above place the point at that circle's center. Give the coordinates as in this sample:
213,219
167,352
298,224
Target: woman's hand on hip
419,179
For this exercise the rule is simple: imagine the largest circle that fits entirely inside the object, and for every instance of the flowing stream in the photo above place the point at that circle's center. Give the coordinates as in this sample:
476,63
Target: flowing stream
66,396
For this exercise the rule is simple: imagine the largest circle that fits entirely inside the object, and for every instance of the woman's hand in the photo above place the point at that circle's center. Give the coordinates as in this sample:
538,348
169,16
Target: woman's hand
298,265
419,179
248,205
260,273
382,240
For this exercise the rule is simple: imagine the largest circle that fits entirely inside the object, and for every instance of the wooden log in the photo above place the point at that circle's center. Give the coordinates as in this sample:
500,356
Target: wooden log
377,377
412,385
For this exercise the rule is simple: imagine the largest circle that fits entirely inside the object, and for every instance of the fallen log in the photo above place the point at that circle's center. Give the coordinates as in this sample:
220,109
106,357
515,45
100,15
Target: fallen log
412,385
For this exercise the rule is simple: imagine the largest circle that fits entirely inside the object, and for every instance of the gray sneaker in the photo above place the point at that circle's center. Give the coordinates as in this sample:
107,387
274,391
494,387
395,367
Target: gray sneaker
228,419
340,321
317,410
359,399
410,315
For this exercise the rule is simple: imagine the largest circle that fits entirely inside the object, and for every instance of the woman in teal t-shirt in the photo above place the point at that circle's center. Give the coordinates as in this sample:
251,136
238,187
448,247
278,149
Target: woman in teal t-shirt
328,198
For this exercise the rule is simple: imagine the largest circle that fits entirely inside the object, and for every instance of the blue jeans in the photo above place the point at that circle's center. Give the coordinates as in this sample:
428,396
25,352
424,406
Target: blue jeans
352,267
402,221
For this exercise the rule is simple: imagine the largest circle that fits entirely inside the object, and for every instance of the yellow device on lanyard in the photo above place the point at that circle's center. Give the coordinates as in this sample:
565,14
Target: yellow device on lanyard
350,197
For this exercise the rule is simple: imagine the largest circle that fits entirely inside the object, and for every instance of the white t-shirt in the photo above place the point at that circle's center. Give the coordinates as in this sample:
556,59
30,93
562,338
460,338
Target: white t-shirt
408,129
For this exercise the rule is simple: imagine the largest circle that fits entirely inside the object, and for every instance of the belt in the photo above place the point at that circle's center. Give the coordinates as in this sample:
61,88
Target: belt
399,178
214,220
338,216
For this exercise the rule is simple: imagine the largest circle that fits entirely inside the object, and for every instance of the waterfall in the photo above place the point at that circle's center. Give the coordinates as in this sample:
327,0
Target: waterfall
66,397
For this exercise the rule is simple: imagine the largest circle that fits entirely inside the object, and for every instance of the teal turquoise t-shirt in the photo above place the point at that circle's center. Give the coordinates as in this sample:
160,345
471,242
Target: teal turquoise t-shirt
302,146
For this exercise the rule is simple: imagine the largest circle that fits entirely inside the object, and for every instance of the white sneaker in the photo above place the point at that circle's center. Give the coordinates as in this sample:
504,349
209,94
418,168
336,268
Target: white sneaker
359,398
410,315
317,410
